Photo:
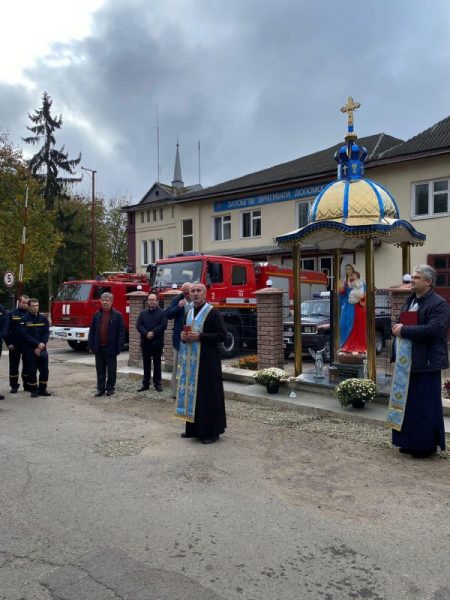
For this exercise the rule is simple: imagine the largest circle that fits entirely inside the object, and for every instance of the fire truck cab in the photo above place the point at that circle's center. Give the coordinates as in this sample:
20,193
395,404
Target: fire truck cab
77,301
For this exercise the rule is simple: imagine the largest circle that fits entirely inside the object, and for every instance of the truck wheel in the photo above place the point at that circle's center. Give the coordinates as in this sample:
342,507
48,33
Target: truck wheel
378,342
230,346
81,346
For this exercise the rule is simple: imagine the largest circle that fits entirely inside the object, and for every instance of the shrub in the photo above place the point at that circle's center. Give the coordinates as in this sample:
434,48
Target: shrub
249,362
355,390
270,375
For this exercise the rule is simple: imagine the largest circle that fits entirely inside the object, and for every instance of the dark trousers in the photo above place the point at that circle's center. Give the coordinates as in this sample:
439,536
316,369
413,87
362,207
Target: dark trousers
106,367
14,364
34,364
150,354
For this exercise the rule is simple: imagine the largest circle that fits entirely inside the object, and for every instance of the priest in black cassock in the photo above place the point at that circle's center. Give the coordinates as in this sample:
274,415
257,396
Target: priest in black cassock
200,396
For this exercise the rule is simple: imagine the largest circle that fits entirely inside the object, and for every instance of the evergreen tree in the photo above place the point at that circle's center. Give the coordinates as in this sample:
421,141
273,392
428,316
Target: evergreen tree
46,164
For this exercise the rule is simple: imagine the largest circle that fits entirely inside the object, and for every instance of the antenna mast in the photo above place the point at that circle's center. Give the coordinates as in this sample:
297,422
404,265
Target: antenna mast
199,172
157,139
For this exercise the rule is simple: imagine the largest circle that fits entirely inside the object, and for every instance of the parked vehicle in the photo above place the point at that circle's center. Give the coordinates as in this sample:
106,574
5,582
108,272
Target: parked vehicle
77,301
231,284
316,325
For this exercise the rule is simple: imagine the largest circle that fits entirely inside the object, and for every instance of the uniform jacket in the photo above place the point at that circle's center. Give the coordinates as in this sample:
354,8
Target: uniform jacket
16,331
429,336
36,331
152,320
116,333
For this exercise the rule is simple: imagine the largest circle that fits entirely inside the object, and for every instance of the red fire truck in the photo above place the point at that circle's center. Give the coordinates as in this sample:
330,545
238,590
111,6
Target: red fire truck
77,301
231,283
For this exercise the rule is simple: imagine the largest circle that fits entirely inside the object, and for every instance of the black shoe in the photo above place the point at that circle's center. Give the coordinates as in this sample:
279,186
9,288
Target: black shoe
34,395
143,389
110,393
14,390
210,440
158,388
98,394
2,397
404,450
187,435
44,393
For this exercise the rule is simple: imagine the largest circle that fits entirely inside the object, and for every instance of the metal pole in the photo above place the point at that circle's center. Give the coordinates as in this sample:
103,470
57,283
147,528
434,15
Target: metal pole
406,258
93,173
22,246
336,284
297,312
370,307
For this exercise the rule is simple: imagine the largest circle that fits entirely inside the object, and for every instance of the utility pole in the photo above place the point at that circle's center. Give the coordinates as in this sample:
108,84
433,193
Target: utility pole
93,173
22,246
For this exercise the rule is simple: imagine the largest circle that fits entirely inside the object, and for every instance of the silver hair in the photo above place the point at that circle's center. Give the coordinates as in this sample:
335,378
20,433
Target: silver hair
199,283
427,272
107,295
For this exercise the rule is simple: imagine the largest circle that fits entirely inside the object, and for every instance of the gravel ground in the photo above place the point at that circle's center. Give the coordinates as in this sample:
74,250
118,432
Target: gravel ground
364,433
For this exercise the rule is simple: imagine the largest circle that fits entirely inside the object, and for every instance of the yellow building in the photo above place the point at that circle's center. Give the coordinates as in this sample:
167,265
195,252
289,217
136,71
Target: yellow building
242,217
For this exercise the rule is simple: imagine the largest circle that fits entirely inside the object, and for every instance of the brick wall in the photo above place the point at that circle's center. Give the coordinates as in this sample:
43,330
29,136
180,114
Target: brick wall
270,327
168,348
138,301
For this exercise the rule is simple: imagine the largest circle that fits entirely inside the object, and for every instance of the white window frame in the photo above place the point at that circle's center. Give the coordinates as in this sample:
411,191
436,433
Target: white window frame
253,220
160,248
302,203
144,252
431,193
142,216
152,250
187,236
224,220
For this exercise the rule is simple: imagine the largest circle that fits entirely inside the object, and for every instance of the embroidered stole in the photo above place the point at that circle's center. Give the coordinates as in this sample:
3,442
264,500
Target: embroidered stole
189,358
400,384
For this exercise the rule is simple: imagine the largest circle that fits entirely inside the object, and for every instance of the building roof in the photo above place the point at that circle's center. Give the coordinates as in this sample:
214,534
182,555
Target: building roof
434,139
313,165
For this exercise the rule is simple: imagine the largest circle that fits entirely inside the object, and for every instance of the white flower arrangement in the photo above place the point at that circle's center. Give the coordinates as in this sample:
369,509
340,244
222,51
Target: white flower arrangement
270,375
355,390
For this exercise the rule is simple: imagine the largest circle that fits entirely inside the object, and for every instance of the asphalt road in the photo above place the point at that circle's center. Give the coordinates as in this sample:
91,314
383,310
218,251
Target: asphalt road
102,499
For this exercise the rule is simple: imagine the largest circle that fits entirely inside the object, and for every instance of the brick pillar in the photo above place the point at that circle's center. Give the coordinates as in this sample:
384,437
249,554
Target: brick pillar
399,293
138,301
168,348
270,327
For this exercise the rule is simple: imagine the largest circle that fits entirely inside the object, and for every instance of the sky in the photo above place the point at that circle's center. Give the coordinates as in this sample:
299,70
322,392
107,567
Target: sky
258,82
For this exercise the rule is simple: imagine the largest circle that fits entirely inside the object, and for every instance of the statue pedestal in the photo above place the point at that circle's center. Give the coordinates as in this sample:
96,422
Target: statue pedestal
340,371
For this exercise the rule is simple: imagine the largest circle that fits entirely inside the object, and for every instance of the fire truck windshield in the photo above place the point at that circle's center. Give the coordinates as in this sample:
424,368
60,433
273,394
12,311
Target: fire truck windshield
178,272
74,291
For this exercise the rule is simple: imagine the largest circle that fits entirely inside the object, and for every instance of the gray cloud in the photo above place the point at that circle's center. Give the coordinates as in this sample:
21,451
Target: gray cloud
259,82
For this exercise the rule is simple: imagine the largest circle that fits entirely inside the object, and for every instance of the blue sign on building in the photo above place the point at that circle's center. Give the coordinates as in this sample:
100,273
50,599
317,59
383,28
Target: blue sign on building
282,196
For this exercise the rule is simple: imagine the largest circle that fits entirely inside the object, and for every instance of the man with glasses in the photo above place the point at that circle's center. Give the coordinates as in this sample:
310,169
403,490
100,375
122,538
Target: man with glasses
415,410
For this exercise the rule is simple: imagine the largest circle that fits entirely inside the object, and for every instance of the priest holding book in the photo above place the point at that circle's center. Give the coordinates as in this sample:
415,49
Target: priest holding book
415,409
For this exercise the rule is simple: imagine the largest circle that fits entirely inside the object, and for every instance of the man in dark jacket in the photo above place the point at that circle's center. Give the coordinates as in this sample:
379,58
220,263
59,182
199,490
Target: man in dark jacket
3,331
420,428
106,339
36,334
151,324
15,343
177,311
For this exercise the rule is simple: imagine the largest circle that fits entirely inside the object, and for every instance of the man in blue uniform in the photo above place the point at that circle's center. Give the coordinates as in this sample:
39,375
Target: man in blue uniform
3,331
35,348
15,342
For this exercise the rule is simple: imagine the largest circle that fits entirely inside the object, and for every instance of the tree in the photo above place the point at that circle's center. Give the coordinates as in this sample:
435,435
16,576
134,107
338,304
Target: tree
47,163
116,226
42,238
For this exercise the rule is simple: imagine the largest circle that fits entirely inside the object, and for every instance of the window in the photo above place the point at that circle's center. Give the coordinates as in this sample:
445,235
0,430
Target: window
160,249
154,214
99,290
152,251
144,252
214,273
430,198
187,235
238,275
161,214
222,228
148,216
303,213
251,224
308,263
142,216
441,264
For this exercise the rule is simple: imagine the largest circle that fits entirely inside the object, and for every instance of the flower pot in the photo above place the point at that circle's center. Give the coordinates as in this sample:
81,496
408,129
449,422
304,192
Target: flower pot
358,404
273,387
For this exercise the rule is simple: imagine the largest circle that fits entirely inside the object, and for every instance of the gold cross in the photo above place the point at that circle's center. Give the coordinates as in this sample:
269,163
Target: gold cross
349,108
